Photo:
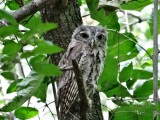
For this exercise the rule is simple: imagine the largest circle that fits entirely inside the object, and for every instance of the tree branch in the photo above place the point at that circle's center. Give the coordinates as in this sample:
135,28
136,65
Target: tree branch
32,8
135,16
82,94
155,57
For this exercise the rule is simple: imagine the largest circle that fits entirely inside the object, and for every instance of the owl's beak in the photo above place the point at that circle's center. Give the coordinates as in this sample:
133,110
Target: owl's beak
93,43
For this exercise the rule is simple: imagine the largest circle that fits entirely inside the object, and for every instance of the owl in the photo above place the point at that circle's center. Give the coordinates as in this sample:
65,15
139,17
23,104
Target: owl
88,47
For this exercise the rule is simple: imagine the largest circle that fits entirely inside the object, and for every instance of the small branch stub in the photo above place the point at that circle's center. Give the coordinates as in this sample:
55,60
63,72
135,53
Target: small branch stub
82,94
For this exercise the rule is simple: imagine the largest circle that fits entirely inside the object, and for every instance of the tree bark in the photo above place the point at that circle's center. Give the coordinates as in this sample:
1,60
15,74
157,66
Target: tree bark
68,18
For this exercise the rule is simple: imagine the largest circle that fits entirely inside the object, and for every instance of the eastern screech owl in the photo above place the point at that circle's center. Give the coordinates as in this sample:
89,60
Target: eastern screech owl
88,48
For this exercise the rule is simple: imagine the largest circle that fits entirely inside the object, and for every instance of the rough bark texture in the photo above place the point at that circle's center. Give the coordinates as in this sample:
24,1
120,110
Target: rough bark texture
68,18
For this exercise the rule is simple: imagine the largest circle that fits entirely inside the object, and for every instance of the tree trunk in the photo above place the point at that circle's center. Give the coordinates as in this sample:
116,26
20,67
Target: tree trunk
68,18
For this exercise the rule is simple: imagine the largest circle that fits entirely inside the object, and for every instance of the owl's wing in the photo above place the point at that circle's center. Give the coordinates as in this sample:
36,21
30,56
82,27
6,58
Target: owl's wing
68,89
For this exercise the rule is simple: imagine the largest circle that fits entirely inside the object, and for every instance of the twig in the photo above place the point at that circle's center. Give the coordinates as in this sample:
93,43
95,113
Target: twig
85,15
50,110
82,94
39,117
55,97
111,117
155,57
22,30
1,1
126,19
133,23
26,21
21,69
22,52
135,16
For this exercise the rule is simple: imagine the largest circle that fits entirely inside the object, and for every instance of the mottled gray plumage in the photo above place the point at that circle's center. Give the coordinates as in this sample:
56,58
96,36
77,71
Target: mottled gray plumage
88,48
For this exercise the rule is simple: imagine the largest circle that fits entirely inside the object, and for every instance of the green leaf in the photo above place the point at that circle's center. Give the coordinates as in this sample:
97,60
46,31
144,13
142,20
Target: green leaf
26,112
12,5
143,111
111,20
121,48
46,47
8,30
43,47
46,69
27,54
38,29
110,71
122,45
119,91
141,74
37,59
114,37
79,2
144,90
34,21
150,22
128,115
136,4
43,67
130,55
7,17
42,93
11,48
130,83
126,73
8,75
1,117
12,88
104,86
27,88
146,64
14,104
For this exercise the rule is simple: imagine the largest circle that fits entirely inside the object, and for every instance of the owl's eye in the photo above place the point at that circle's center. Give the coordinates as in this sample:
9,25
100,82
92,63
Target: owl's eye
84,35
100,37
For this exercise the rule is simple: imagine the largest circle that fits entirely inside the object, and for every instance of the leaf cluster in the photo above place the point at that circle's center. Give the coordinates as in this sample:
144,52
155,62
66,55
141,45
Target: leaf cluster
122,80
22,42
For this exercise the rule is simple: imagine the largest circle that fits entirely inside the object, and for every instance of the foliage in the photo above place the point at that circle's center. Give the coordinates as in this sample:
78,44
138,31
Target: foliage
13,52
119,79
126,78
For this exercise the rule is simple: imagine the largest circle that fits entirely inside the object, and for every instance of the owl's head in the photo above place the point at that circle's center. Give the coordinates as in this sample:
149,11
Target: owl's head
94,36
